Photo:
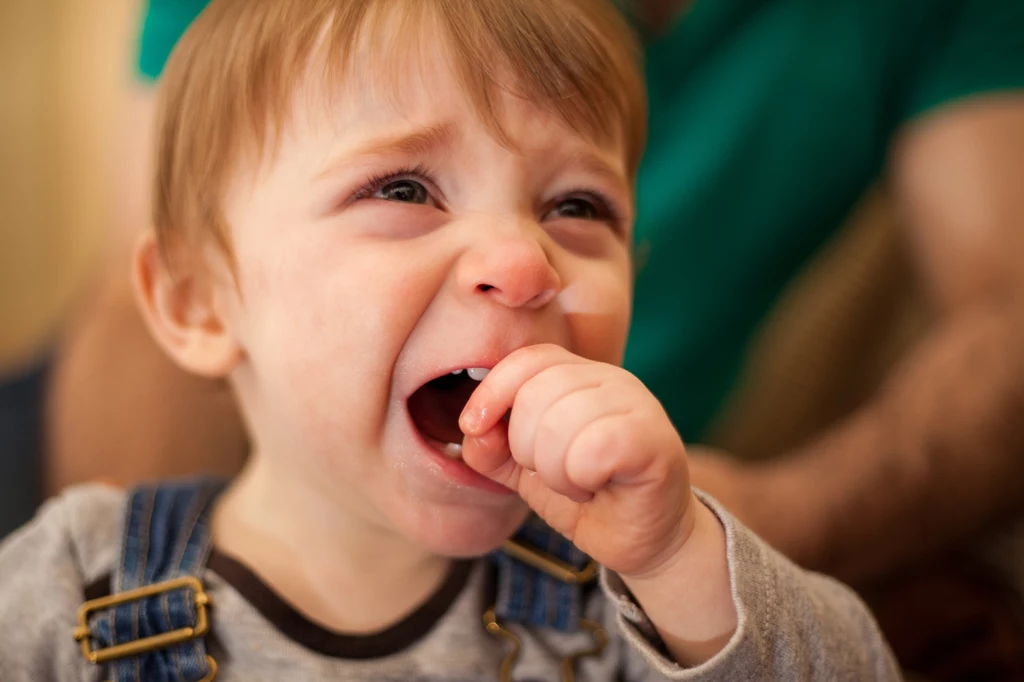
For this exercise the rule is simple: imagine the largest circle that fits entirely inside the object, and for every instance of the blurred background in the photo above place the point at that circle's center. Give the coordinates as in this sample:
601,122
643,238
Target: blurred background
833,293
64,70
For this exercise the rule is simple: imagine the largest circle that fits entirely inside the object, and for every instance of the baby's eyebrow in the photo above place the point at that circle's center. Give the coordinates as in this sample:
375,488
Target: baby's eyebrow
421,141
599,166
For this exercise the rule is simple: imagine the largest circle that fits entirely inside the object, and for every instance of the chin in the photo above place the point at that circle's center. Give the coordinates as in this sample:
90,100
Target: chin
464,532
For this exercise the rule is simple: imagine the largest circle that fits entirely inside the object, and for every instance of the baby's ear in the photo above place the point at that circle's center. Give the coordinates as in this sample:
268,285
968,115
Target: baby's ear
182,313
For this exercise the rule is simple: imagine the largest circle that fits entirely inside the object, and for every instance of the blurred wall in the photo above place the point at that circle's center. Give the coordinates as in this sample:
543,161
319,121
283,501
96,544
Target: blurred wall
64,68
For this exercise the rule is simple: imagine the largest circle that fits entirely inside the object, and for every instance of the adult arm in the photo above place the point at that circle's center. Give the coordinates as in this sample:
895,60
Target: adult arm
939,453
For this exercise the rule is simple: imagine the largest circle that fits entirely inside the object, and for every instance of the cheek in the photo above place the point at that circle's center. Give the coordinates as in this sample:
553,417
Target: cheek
322,342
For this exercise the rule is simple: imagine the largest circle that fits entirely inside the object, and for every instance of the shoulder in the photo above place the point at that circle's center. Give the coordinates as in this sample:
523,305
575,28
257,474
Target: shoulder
80,528
45,566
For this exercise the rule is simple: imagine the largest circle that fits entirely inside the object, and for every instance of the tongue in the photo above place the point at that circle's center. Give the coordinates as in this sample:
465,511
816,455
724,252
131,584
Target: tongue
435,408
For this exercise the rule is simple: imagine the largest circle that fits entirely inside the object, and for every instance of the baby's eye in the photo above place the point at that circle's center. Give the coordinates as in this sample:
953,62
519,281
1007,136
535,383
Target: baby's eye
404,191
576,208
584,206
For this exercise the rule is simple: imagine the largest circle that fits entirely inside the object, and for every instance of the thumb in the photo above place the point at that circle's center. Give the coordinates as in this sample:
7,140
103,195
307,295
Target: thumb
490,455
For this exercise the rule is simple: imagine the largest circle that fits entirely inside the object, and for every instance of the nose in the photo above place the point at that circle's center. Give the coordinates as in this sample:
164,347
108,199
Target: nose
512,271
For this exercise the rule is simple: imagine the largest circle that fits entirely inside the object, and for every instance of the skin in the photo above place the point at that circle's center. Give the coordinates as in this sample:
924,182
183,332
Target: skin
360,278
947,479
943,437
183,423
592,451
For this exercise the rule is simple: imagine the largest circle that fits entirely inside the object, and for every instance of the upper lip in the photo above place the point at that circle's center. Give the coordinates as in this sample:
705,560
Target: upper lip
484,358
488,363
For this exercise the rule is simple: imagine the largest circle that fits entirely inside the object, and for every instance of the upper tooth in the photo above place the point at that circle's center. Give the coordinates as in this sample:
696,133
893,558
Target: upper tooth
477,373
458,371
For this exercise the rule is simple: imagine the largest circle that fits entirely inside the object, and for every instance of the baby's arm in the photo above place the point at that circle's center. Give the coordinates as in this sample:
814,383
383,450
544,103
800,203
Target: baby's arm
689,601
792,624
594,454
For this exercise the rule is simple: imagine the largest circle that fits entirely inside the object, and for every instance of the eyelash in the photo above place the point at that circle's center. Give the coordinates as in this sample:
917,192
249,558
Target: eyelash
606,211
379,181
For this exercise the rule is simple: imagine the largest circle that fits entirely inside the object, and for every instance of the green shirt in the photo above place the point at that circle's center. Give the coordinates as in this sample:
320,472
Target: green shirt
769,120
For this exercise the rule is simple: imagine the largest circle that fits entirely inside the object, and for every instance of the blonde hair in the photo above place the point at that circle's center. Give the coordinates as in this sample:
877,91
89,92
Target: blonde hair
229,85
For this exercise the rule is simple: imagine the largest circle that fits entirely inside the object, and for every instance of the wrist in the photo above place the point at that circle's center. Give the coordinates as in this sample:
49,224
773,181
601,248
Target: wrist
695,527
664,560
689,598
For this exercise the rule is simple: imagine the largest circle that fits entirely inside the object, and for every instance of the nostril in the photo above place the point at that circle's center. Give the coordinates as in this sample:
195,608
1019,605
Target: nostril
485,287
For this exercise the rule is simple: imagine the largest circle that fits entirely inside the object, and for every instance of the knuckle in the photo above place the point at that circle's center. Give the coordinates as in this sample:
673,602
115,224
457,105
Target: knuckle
549,426
605,439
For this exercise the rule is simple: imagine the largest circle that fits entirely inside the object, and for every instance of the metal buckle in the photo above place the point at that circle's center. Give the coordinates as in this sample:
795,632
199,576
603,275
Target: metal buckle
600,642
495,629
568,666
559,570
99,656
556,568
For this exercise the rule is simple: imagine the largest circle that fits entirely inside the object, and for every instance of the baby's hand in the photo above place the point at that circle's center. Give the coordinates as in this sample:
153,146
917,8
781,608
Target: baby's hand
590,450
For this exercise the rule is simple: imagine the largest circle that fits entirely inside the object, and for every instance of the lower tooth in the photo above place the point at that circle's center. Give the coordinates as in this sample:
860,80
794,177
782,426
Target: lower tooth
453,450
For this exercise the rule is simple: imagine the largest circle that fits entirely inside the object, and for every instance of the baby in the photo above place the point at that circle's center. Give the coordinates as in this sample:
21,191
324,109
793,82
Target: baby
401,230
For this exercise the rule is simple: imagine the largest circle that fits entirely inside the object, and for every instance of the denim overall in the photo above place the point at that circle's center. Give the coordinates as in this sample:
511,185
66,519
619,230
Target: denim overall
152,626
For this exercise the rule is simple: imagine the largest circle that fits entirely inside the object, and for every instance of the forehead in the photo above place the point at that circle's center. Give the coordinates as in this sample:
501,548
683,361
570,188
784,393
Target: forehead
428,95
407,69
414,102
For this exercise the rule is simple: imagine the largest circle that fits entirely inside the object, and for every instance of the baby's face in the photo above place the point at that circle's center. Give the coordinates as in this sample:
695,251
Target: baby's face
391,244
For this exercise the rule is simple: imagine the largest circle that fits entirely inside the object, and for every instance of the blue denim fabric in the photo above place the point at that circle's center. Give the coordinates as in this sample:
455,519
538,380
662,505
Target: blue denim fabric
21,437
166,536
529,596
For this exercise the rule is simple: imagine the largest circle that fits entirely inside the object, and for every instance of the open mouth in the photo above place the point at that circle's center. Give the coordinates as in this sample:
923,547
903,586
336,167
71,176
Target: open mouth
436,406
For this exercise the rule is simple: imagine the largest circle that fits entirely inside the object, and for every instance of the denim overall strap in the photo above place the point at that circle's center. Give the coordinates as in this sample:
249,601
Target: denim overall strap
166,538
530,596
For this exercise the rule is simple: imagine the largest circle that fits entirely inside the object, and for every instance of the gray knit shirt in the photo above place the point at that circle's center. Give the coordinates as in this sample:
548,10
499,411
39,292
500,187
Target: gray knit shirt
793,625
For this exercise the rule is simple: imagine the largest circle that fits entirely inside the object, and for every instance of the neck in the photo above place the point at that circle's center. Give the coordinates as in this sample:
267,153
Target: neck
340,569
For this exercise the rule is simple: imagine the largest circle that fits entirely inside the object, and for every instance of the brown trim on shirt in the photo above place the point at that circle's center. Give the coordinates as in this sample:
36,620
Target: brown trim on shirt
297,627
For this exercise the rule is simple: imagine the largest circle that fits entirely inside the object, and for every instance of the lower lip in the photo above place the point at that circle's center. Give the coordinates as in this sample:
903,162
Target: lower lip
460,473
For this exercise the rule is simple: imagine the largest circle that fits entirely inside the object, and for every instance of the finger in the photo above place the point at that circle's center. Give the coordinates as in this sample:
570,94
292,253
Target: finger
561,426
536,397
596,453
496,393
605,453
558,511
489,455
